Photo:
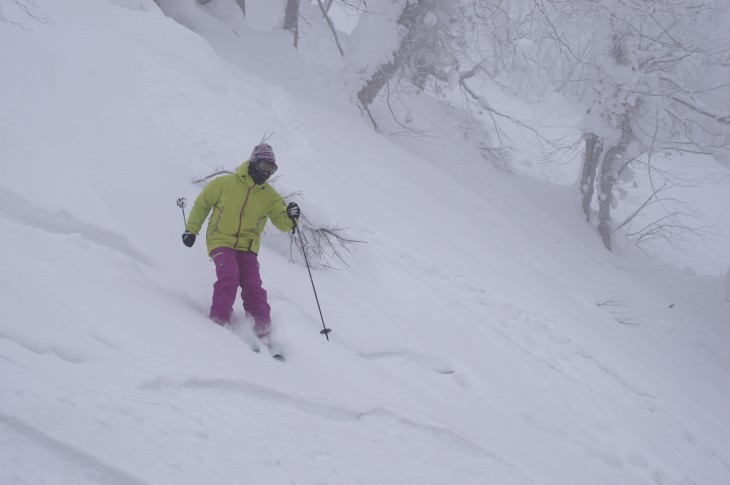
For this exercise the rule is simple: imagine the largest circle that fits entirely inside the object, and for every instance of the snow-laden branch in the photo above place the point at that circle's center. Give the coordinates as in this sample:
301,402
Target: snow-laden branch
700,108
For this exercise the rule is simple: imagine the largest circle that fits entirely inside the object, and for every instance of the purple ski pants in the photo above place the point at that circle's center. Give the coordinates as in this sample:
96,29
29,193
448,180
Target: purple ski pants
233,269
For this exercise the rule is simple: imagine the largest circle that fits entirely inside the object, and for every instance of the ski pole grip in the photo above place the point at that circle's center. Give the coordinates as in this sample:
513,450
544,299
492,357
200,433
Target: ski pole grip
182,203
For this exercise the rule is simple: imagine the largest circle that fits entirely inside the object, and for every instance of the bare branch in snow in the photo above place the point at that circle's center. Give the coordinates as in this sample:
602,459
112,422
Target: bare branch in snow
27,7
324,9
325,243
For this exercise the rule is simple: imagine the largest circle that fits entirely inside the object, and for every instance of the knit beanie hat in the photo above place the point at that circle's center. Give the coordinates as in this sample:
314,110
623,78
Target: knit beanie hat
263,151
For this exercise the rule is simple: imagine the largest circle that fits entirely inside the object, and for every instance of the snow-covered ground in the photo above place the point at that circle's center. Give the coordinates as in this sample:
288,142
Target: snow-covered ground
481,334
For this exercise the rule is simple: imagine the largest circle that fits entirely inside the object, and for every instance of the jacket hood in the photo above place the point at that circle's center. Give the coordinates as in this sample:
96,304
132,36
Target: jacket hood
243,176
242,171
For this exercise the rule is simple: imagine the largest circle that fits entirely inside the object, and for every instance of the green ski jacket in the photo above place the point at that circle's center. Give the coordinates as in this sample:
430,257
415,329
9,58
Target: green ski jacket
240,211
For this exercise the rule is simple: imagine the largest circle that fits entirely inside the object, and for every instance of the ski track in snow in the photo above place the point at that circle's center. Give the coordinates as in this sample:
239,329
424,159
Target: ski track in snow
530,333
428,363
67,355
332,412
539,340
320,408
316,407
16,209
25,443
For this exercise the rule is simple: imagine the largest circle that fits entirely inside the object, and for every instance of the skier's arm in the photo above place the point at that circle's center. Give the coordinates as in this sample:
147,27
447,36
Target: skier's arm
203,204
277,214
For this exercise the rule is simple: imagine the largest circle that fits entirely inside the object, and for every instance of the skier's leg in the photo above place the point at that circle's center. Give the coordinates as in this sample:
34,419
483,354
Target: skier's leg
253,294
225,288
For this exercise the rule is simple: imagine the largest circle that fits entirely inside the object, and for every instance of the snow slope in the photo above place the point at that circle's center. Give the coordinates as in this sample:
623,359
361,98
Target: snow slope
469,346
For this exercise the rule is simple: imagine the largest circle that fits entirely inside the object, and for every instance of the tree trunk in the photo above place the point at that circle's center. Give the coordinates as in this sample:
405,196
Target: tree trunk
241,4
606,182
591,161
411,14
609,177
378,81
291,19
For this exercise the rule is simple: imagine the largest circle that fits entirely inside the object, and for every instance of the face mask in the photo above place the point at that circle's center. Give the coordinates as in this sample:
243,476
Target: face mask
260,170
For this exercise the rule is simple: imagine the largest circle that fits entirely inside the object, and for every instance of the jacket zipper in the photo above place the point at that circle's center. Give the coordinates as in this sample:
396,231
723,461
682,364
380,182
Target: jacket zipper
240,218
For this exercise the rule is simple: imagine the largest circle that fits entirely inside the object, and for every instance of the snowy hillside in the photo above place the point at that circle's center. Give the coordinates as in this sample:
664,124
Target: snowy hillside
481,333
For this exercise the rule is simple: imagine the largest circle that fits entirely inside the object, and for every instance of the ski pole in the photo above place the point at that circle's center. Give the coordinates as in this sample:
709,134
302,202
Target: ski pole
325,331
181,203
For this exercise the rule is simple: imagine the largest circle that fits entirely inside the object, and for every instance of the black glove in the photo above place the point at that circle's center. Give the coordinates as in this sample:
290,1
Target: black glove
188,239
292,210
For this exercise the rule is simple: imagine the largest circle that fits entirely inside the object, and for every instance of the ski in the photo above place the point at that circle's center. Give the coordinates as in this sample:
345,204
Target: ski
258,345
275,352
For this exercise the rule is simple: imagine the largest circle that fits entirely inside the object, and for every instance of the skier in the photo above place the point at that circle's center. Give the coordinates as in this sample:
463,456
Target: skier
241,204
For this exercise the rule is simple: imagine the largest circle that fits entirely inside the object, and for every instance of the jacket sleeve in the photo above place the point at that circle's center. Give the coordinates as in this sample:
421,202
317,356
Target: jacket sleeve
203,204
277,214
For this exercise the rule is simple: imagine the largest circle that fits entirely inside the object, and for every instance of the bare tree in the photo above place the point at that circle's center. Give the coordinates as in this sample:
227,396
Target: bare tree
291,19
424,50
633,66
325,9
647,74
